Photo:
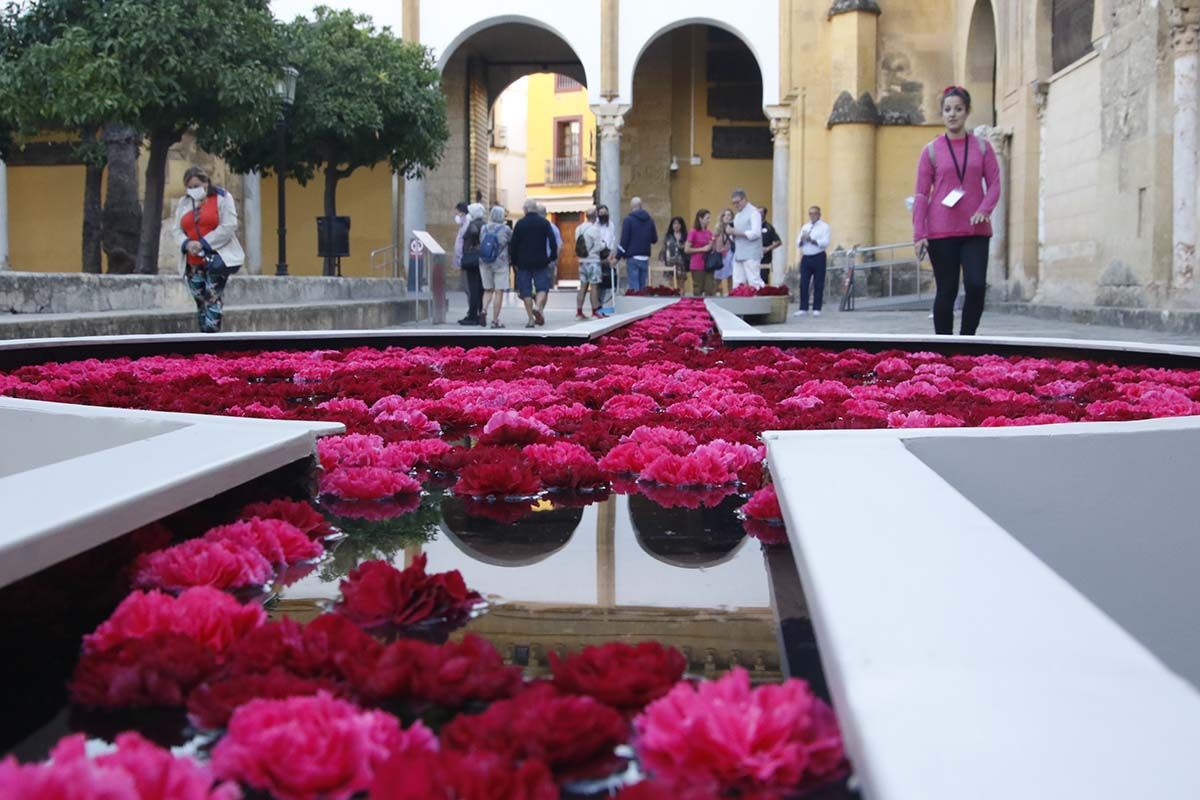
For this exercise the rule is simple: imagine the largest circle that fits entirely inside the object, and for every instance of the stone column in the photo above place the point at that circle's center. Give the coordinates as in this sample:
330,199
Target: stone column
1000,139
781,184
252,220
4,260
414,220
852,130
1185,37
610,117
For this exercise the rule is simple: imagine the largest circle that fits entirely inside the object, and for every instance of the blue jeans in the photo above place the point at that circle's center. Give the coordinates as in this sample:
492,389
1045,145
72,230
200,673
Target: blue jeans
812,272
639,272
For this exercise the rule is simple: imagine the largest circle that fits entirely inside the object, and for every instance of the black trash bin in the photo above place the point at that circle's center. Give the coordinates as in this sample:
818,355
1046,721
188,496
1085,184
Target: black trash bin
333,241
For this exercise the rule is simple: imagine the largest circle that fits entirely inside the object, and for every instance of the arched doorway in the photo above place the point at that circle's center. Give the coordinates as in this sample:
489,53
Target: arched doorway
981,63
696,129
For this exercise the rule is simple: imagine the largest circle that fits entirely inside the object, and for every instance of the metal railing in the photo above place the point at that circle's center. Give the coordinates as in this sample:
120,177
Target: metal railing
564,171
881,272
386,261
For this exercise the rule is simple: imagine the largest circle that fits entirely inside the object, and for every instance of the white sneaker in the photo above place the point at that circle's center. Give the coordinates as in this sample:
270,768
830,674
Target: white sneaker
816,313
800,313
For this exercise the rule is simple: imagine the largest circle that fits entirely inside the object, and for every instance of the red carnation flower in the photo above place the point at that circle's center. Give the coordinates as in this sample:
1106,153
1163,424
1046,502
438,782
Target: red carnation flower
212,704
221,565
449,675
570,733
620,675
158,670
564,466
458,776
376,593
295,512
504,477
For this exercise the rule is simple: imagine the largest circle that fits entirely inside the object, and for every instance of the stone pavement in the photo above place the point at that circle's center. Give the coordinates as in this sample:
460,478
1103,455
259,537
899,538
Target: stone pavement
560,312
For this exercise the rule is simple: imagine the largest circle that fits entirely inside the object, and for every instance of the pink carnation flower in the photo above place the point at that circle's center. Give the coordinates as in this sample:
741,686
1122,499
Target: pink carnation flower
367,483
509,427
352,450
700,468
411,422
724,737
221,565
824,389
672,439
206,616
279,542
564,465
298,513
894,369
137,770
312,747
764,505
628,406
922,419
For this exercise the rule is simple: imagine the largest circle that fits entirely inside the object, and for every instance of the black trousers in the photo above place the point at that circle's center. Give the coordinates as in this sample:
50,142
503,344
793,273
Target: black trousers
947,256
812,271
474,291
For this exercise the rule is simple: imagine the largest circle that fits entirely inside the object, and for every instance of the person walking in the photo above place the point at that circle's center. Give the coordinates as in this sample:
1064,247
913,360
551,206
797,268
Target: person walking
704,261
958,188
746,232
494,264
638,236
469,261
813,242
672,253
770,243
589,245
206,232
532,248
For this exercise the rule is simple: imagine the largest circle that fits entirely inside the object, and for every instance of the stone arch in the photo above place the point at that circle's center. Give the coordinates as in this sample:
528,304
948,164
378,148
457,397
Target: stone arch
980,61
770,87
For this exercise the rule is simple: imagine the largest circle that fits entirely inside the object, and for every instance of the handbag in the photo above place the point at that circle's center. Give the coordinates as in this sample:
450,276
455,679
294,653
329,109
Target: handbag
713,261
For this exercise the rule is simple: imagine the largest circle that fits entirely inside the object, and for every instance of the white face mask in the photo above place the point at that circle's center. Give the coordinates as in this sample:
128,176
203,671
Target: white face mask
458,219
198,192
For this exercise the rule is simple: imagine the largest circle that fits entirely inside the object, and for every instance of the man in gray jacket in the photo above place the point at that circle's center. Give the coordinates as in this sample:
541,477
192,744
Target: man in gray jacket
747,231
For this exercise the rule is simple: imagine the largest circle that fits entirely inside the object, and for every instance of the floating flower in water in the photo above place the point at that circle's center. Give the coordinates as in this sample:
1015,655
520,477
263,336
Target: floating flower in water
351,450
564,466
279,542
764,505
724,737
136,770
702,467
212,704
449,675
219,564
621,675
510,427
207,616
509,476
312,748
157,670
376,593
569,733
920,419
462,776
295,512
367,483
628,406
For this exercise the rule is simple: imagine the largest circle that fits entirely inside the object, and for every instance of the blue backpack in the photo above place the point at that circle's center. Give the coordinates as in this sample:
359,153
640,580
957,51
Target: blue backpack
489,248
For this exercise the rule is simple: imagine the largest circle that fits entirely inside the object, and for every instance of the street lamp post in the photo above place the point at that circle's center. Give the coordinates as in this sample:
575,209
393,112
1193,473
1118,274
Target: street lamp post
285,89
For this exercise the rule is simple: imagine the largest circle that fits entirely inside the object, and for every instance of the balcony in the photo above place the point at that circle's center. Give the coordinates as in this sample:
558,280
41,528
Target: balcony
563,171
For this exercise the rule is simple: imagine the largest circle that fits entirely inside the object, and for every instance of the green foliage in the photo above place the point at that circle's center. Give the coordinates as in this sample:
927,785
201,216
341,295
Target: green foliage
363,97
382,539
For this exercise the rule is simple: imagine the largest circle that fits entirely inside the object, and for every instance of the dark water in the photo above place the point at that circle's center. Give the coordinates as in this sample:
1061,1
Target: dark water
559,573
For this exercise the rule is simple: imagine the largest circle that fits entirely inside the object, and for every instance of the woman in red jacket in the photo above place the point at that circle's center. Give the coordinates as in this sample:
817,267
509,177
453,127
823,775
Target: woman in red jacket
206,232
958,187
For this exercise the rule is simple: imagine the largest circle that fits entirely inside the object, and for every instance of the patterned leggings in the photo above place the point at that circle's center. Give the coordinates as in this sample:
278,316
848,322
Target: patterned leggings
207,284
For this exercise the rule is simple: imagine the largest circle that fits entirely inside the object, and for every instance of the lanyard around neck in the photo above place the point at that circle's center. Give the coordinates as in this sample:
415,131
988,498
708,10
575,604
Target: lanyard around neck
962,173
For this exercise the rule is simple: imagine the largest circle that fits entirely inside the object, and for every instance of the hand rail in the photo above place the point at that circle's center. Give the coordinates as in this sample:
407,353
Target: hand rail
387,259
863,259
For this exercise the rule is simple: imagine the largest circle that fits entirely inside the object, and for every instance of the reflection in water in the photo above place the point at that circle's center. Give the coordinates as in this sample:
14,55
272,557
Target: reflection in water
688,537
536,536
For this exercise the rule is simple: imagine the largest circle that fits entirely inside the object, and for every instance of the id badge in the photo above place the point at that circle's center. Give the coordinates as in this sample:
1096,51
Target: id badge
951,200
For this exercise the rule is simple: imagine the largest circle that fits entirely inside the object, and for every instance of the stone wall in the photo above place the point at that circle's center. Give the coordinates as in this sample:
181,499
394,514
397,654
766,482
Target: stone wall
645,139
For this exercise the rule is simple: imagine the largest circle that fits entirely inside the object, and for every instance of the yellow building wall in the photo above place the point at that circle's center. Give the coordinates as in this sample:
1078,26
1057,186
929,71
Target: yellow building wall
545,106
45,218
897,149
709,184
365,197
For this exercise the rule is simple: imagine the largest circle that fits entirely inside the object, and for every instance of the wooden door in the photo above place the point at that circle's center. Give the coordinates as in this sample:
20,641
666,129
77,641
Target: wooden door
568,262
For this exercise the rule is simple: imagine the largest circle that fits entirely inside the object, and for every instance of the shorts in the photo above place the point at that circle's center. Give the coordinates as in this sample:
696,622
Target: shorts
539,278
493,276
589,272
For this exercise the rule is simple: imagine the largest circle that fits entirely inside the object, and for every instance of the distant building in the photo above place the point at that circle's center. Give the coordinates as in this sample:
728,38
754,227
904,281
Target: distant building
508,151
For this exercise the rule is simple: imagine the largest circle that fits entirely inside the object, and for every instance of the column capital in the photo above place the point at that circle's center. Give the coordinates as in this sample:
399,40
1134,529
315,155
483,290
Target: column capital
1184,19
1041,94
1000,138
781,128
850,6
611,118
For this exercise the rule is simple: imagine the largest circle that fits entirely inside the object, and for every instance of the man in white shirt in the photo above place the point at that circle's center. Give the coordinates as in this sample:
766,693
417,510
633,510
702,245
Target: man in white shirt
747,232
813,242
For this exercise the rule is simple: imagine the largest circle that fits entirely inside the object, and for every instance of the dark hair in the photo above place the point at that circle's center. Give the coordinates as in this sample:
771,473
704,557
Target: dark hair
461,207
682,225
701,213
202,174
957,91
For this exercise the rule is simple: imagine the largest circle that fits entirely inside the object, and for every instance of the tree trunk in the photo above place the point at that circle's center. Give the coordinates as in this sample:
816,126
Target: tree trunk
332,176
122,212
152,207
92,224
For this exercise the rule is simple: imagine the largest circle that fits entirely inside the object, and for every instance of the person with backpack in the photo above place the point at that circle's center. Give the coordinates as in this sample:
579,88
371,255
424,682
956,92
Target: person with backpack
590,247
958,187
470,266
493,263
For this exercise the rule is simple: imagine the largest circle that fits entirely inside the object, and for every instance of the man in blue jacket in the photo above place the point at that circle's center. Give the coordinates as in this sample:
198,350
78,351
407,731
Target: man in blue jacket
531,249
638,235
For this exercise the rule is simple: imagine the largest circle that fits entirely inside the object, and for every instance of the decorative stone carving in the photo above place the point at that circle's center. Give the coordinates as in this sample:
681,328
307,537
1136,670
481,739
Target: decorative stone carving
1184,18
610,122
848,6
847,110
781,128
1041,94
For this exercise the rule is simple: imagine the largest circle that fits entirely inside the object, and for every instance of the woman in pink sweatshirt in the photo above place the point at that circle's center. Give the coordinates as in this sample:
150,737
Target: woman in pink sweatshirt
958,187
